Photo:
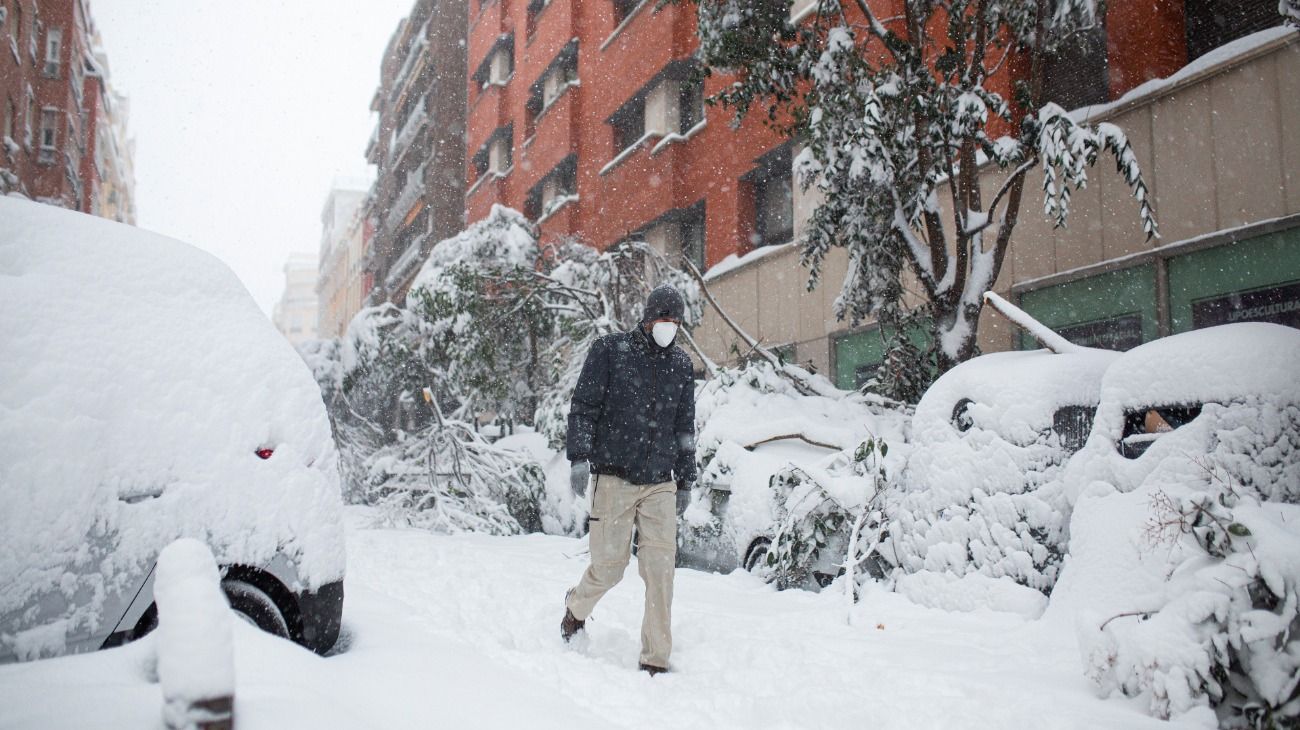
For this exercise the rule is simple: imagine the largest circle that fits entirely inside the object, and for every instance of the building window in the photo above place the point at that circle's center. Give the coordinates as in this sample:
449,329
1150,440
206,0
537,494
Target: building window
773,188
16,28
53,49
30,118
499,65
693,235
1212,23
628,124
495,154
561,74
691,104
49,129
1076,74
535,8
550,193
624,8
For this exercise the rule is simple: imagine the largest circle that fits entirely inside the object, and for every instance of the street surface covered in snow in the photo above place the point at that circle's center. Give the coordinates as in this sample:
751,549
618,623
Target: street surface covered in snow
462,631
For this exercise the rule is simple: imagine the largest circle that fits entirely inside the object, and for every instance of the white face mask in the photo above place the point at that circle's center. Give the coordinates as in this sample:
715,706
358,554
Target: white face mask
664,333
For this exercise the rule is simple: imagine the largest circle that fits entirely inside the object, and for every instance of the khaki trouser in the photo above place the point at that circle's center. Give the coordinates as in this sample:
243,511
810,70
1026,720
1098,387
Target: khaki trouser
618,506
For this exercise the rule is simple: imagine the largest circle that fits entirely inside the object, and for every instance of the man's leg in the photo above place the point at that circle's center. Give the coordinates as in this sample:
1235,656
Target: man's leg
656,517
613,513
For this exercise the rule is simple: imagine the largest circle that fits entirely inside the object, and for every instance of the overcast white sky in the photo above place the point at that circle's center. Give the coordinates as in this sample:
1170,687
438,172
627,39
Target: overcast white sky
243,112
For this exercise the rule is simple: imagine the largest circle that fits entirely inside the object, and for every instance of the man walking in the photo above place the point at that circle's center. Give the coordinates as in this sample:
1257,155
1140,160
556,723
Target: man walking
632,425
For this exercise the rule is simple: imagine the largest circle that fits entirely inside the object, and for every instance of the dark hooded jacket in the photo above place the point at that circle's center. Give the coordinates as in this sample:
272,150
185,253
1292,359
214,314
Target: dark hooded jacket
633,410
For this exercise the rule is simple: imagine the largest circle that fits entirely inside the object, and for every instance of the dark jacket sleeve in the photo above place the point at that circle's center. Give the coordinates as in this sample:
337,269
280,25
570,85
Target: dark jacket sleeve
684,428
588,402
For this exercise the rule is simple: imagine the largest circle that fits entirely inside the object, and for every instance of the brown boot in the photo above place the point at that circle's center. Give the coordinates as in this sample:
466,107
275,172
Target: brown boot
570,625
652,670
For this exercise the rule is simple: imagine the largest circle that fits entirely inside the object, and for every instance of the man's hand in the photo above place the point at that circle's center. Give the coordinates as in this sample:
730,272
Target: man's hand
683,498
579,476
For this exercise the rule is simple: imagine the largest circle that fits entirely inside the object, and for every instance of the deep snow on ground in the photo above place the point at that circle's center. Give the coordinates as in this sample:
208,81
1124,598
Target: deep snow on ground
462,631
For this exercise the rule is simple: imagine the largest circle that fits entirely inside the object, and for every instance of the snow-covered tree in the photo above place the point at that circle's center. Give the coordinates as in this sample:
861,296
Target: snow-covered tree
496,326
897,114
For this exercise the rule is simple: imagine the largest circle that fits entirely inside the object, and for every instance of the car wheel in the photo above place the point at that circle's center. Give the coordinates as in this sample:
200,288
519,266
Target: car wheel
756,556
254,606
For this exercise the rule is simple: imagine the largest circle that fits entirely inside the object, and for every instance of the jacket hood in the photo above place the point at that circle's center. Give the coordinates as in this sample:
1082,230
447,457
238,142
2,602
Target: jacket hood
664,301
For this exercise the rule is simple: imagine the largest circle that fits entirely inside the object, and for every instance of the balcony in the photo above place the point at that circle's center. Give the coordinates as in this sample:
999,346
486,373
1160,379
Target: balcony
413,54
409,130
411,192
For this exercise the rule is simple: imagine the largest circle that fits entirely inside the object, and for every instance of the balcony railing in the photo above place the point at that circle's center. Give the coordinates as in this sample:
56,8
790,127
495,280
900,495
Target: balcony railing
408,131
411,192
413,53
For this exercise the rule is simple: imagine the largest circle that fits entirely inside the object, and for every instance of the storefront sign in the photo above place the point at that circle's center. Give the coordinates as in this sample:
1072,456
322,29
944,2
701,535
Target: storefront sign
1279,304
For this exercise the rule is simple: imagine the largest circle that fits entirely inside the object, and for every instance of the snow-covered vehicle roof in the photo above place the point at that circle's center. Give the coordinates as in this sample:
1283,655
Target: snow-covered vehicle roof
139,379
1015,394
1218,364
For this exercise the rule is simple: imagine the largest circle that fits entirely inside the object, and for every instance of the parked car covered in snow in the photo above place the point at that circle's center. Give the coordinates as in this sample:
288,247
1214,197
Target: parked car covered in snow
1185,525
144,397
987,435
1226,397
764,450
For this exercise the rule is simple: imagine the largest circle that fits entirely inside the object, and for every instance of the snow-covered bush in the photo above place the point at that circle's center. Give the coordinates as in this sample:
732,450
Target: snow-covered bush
448,478
978,493
1185,531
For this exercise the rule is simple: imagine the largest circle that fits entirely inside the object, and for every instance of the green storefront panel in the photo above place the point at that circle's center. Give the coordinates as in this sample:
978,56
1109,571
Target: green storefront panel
1254,280
1115,310
858,354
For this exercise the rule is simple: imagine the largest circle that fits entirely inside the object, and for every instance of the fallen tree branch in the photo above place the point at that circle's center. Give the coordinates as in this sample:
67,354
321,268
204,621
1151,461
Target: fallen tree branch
800,384
798,436
1035,329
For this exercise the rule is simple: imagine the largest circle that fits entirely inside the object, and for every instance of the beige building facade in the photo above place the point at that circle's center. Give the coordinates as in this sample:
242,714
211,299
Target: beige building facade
1224,176
340,282
295,313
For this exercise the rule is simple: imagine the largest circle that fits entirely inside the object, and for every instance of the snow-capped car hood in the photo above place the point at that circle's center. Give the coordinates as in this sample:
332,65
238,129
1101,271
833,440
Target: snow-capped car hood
138,380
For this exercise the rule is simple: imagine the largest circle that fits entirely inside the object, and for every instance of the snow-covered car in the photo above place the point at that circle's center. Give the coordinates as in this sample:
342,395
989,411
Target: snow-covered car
144,397
767,453
987,435
1225,398
1185,525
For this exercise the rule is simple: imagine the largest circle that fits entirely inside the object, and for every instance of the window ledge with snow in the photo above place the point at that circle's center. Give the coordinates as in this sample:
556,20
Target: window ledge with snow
626,22
1222,59
627,152
679,137
556,206
489,175
734,263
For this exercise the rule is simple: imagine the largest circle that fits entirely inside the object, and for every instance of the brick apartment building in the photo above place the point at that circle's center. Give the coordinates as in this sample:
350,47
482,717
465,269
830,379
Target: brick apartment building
418,144
582,114
64,128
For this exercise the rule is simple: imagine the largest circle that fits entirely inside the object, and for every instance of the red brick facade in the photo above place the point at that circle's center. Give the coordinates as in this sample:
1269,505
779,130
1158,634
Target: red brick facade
43,108
623,190
617,63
